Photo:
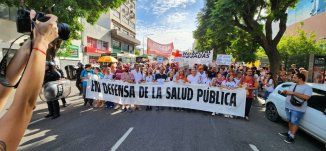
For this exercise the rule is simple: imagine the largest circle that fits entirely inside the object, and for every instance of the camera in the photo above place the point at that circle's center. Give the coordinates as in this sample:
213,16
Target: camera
24,23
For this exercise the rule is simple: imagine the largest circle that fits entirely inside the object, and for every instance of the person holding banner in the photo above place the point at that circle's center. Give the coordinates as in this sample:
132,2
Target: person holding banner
138,77
85,75
250,84
160,79
218,80
193,78
98,75
108,75
229,83
202,75
127,76
181,77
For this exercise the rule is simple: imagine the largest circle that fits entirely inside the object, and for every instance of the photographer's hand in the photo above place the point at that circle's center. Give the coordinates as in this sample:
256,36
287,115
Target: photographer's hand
14,123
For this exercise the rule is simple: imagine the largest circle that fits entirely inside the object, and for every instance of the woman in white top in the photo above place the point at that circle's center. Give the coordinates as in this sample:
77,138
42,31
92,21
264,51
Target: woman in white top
229,83
148,76
108,75
269,85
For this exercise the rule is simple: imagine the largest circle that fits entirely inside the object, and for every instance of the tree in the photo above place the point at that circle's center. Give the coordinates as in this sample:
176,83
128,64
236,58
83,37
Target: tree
70,12
137,52
250,19
301,43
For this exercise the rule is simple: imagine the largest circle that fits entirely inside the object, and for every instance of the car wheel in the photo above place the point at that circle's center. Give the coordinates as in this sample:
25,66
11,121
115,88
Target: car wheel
271,112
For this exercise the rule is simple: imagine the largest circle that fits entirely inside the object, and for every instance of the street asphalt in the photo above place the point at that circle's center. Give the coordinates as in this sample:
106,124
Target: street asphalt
83,128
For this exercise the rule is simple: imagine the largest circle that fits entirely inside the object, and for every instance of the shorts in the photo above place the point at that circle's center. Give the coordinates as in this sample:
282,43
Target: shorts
293,116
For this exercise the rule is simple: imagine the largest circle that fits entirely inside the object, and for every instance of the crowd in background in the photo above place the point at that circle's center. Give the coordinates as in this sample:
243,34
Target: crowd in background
229,77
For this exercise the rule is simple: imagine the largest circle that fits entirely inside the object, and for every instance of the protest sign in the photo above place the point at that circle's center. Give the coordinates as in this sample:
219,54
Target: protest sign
223,59
194,96
192,58
160,60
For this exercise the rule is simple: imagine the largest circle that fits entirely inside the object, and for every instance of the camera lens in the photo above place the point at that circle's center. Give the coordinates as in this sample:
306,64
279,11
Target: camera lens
64,31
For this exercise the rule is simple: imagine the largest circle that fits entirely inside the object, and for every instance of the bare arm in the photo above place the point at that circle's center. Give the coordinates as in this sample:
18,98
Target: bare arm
14,70
15,121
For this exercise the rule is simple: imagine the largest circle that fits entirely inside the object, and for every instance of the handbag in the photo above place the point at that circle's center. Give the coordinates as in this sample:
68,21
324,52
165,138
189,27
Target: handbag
294,101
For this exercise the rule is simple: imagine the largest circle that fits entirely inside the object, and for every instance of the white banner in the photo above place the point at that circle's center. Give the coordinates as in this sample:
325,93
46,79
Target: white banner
192,58
223,59
199,97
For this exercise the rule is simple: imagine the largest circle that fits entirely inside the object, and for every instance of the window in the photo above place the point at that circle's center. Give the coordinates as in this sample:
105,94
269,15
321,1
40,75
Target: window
124,19
318,100
91,42
132,5
99,44
124,47
116,13
116,44
284,87
132,25
132,35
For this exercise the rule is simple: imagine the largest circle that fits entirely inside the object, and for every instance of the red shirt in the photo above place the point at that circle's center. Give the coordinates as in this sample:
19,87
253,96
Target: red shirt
250,83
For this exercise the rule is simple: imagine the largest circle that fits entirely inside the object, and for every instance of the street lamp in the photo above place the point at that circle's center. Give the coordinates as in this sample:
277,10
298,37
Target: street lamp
144,42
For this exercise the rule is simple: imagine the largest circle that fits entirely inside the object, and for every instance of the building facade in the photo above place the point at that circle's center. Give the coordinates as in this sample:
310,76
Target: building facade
115,32
312,13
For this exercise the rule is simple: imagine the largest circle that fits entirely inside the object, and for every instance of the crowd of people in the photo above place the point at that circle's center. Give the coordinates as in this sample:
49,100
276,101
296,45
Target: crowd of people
229,77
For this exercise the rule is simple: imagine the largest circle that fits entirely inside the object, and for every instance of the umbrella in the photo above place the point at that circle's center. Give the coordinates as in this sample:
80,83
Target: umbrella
107,59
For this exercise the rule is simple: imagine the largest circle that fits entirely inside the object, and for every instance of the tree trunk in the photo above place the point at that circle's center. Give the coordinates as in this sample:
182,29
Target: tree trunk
274,58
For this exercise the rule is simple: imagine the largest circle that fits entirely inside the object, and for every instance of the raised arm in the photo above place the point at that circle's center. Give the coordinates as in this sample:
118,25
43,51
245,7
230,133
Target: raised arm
15,121
14,70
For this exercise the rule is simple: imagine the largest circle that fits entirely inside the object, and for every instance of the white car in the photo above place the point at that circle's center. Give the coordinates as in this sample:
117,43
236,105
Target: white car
313,121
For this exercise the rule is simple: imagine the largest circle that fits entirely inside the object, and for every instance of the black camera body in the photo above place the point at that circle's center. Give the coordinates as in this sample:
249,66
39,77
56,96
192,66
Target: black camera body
24,23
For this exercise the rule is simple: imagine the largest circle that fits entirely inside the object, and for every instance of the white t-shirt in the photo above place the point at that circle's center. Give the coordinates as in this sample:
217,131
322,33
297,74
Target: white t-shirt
110,76
271,87
137,75
229,84
149,78
193,79
202,77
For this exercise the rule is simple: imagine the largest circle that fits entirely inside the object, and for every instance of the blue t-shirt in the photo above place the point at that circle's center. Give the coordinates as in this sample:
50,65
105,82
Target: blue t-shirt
86,73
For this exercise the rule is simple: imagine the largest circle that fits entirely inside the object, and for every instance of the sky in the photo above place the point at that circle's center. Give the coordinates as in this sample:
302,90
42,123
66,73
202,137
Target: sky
166,21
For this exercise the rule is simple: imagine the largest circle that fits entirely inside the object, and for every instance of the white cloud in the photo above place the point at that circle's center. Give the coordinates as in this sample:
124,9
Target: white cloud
161,6
177,17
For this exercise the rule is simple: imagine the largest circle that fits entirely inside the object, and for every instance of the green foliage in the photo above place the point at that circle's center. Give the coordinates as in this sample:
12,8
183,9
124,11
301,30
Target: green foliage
70,11
65,50
241,27
137,52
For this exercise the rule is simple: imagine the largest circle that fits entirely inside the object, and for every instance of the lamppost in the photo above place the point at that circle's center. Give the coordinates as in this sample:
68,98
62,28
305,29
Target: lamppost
144,42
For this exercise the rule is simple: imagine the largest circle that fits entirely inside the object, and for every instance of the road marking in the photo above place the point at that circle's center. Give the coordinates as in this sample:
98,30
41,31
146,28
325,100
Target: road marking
116,112
36,121
120,141
253,147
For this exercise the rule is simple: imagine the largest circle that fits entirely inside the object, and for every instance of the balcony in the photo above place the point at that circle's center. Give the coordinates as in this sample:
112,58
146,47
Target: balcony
123,37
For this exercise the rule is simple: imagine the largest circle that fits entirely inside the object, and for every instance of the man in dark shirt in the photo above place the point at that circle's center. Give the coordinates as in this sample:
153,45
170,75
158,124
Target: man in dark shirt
78,80
160,78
